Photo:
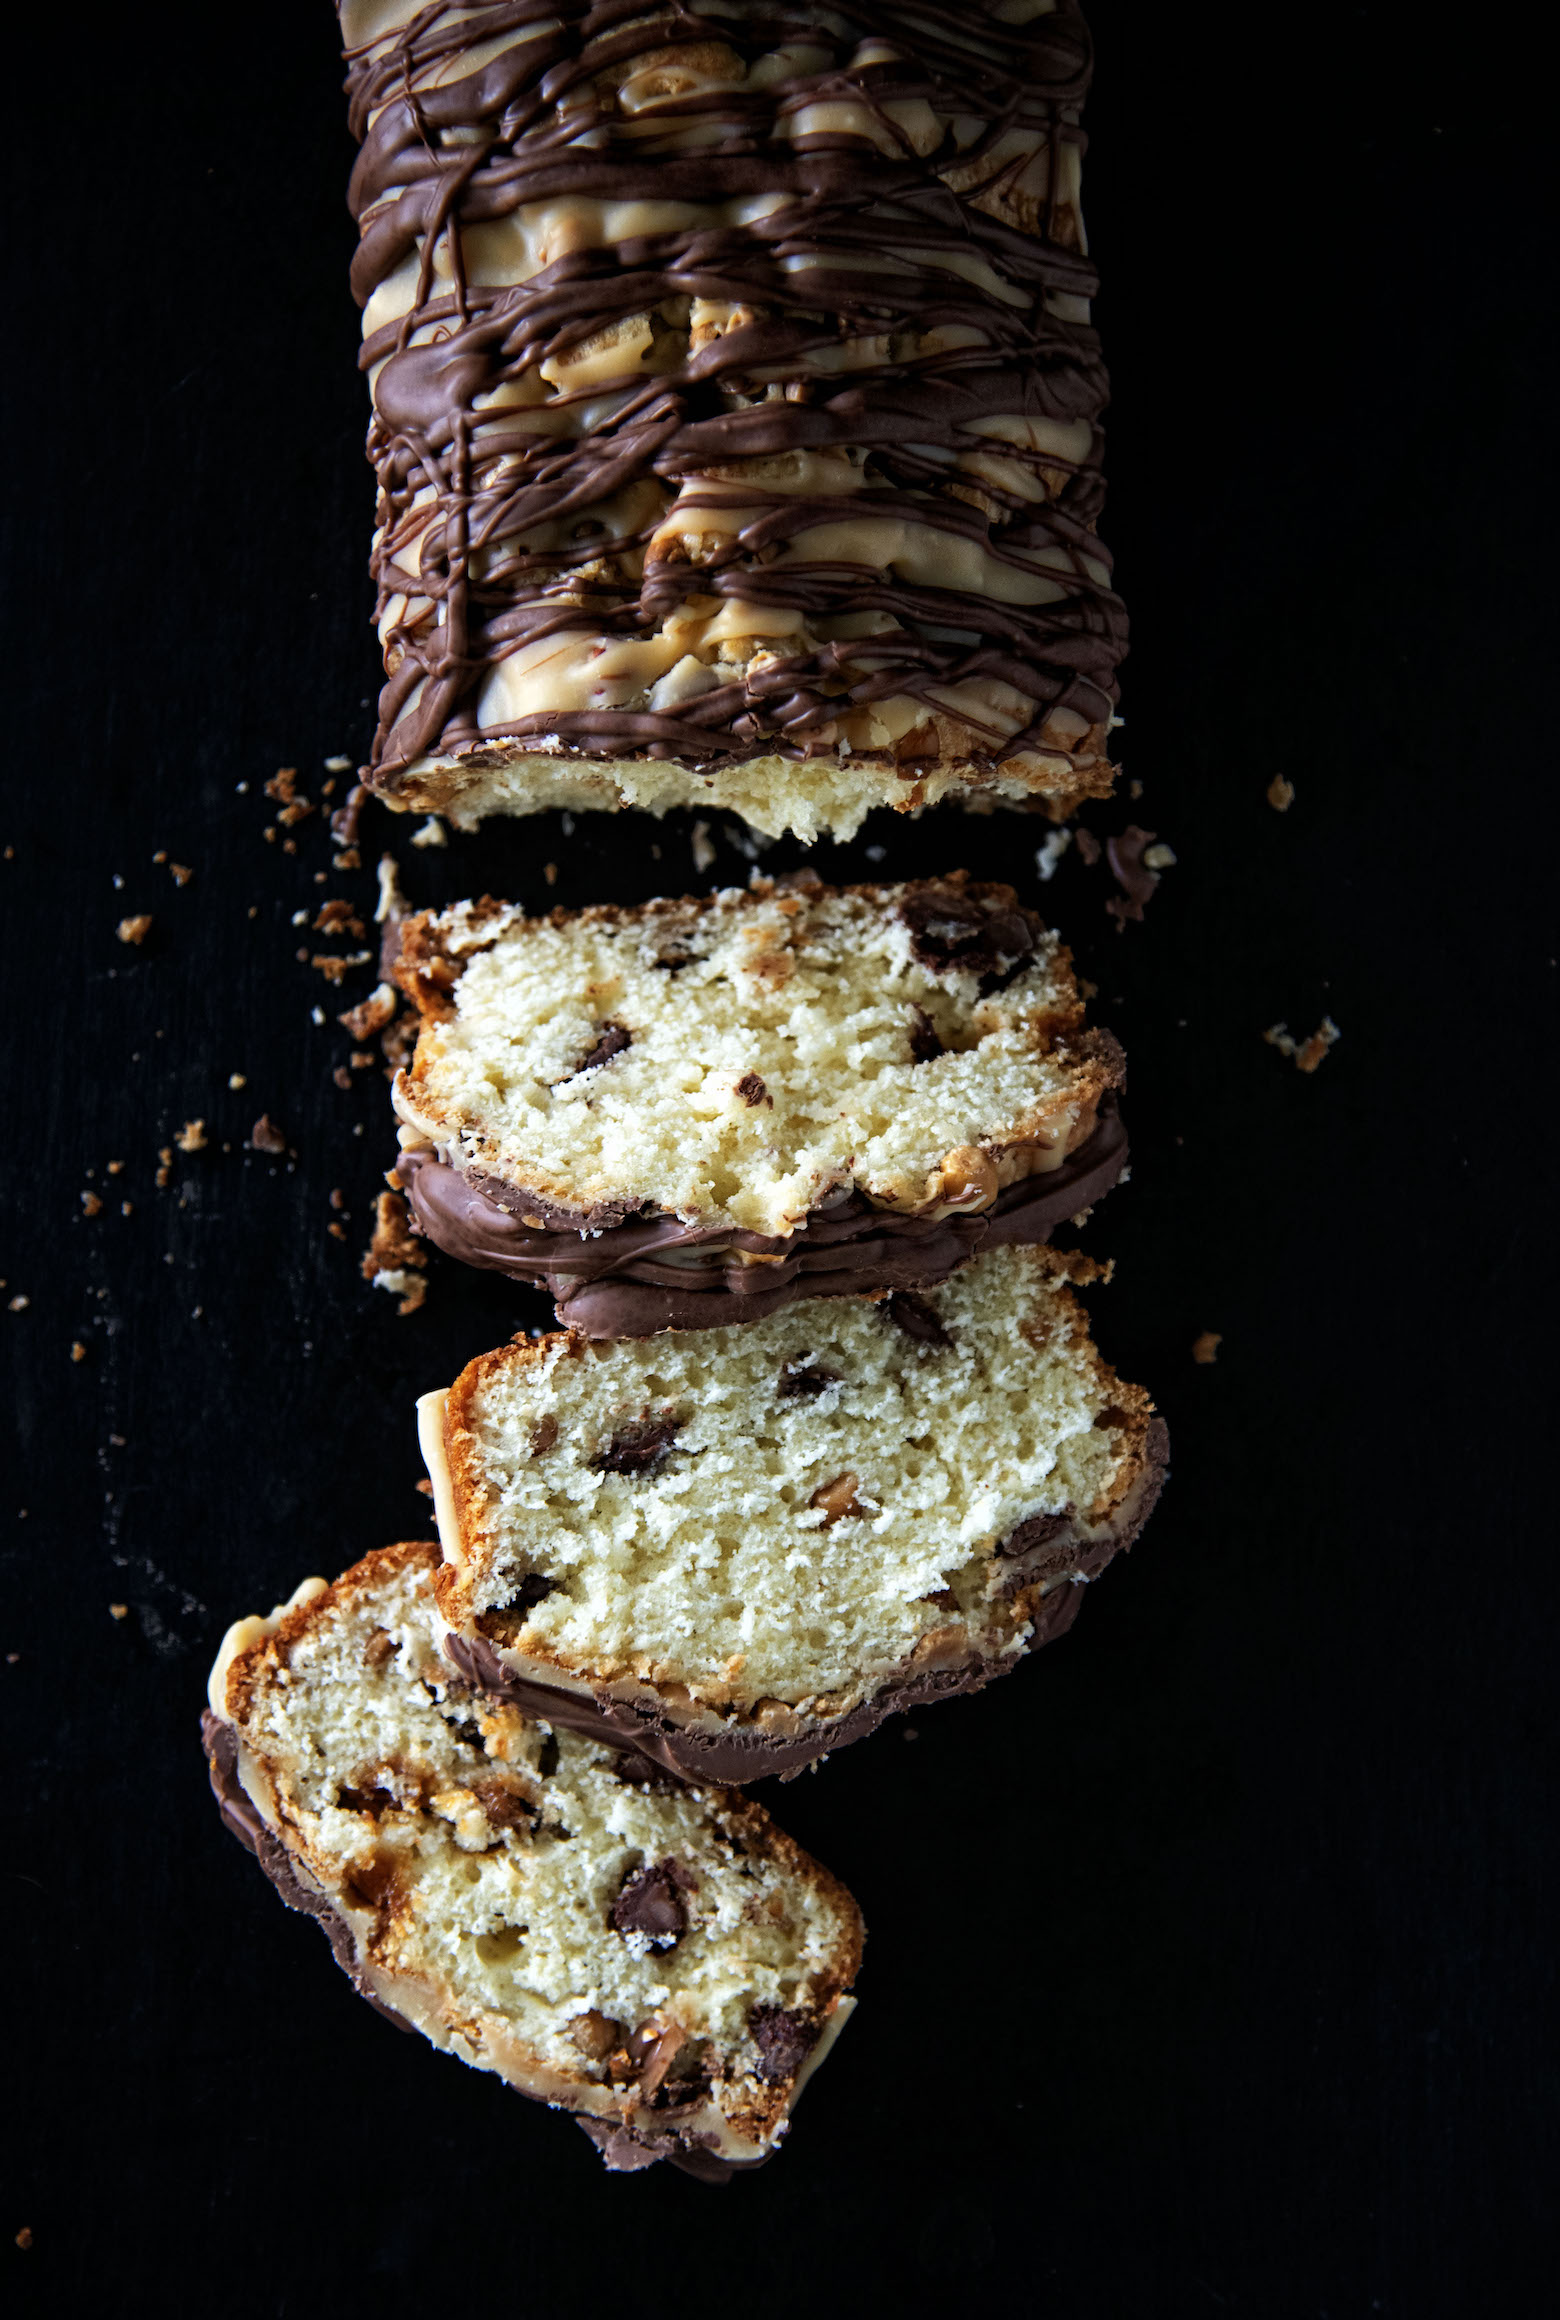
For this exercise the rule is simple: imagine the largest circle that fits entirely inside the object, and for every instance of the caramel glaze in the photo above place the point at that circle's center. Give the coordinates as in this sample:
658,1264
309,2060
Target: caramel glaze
913,165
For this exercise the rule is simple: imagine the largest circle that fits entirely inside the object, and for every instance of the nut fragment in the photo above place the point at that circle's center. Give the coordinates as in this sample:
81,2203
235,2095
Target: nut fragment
838,1498
595,2035
967,1178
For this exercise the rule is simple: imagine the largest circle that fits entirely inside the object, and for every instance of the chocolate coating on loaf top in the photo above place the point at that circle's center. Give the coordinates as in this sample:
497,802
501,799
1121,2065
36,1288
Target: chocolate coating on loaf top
856,236
622,1278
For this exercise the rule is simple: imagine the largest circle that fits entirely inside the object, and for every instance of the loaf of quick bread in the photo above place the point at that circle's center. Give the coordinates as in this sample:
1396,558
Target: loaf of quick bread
736,407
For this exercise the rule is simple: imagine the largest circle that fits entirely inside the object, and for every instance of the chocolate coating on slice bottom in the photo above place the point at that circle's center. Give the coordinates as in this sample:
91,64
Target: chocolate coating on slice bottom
727,1755
617,1277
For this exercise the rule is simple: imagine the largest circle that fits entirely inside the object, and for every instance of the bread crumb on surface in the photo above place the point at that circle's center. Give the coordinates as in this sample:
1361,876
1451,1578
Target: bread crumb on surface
267,1136
1280,794
431,833
135,930
1305,1053
426,1487
118,1610
181,873
370,1014
1206,1348
338,765
550,873
91,1205
395,1258
192,1136
78,1351
236,1079
24,2236
115,1168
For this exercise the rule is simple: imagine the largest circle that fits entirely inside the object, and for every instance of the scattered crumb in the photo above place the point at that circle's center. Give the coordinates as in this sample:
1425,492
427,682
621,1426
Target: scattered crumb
269,834
1159,857
1280,794
164,1165
118,1610
236,1079
333,966
289,845
1051,852
348,859
550,873
283,784
392,902
91,1205
431,833
909,1732
877,853
1306,1053
1137,877
1134,789
266,1136
24,2236
395,1259
328,788
192,1136
338,1232
703,851
161,854
341,1076
338,765
127,1208
370,1014
181,873
655,853
338,1199
361,1059
135,930
335,918
254,910
1088,845
426,1487
115,1168
1206,1348
78,1351
117,1441
316,1015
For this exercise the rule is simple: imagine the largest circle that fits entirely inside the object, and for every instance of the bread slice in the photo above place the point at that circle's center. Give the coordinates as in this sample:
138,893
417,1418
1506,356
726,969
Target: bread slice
737,1550
736,409
697,1111
663,1962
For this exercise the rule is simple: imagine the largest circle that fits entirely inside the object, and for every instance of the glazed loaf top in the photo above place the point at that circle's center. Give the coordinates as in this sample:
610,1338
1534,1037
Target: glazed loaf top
735,397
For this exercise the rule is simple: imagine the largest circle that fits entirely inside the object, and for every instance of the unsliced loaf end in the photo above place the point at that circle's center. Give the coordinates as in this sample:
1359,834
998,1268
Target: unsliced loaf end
740,1549
662,1962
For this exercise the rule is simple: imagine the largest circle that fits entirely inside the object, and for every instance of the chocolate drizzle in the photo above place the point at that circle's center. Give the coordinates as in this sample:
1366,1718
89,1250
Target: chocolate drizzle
616,1276
857,248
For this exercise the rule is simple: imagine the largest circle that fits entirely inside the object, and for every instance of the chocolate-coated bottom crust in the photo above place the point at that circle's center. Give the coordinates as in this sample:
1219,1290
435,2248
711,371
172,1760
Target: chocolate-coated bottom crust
727,1755
617,1277
624,2149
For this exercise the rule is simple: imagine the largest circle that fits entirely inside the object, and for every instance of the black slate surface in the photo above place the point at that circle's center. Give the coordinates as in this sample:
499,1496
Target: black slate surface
1207,1955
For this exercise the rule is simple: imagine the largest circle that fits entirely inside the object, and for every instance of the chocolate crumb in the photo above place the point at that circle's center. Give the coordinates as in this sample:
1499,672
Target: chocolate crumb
650,1905
135,930
1115,1415
1139,882
1035,1532
925,1046
596,2035
264,1136
784,2041
804,1379
640,1447
956,929
380,1646
1206,1348
753,1091
505,1807
543,1435
917,1319
612,1042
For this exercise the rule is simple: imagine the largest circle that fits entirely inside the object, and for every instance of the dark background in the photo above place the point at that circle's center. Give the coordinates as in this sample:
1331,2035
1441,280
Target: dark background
1208,1957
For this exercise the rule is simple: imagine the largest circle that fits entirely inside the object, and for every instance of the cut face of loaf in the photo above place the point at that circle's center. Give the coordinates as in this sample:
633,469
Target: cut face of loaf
696,1112
735,407
664,1963
737,1550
